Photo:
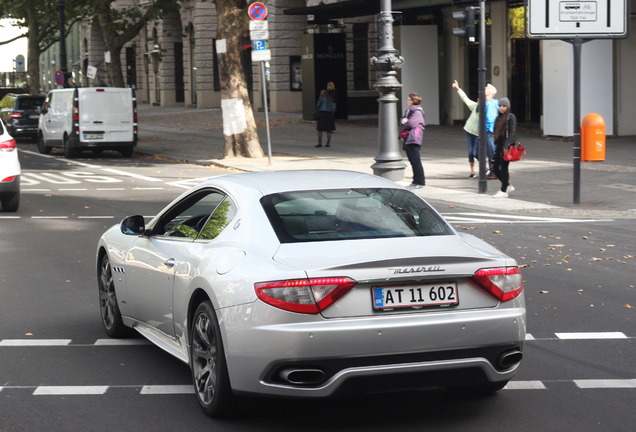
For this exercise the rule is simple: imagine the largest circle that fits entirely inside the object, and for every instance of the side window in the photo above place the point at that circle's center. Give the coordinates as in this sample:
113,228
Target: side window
221,217
191,217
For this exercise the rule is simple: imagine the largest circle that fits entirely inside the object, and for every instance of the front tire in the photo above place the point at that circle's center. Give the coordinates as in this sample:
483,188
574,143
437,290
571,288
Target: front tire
209,368
109,308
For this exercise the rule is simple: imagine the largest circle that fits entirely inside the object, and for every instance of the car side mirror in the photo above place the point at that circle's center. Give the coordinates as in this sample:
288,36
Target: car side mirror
133,225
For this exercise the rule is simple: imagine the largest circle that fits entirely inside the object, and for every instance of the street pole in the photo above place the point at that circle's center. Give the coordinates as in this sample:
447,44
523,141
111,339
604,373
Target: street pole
481,74
576,146
388,162
60,5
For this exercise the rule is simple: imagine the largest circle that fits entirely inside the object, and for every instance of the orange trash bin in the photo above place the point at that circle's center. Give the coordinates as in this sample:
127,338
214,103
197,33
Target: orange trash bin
593,138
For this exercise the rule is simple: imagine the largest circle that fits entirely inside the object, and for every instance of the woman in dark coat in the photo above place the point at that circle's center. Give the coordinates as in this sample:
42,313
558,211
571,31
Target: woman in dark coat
325,109
505,135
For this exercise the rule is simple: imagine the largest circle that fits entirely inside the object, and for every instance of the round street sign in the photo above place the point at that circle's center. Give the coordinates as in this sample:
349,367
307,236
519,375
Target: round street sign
257,11
59,77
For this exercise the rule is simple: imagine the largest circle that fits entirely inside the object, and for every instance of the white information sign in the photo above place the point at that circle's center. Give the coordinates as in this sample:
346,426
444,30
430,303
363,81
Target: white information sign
258,25
262,55
587,19
259,34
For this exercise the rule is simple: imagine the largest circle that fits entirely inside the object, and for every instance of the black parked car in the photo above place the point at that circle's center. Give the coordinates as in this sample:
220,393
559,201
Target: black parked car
20,113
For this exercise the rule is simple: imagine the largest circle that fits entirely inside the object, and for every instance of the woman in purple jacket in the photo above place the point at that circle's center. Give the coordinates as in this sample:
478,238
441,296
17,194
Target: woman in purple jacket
412,132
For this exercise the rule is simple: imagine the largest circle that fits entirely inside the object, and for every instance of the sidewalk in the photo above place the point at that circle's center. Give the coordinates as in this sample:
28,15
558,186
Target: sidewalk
543,182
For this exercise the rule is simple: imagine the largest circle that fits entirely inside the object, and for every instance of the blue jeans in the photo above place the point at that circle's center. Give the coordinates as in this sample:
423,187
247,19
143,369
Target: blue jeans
490,148
473,146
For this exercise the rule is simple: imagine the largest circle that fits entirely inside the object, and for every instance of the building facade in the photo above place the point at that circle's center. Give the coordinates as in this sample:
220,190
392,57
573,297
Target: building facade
173,61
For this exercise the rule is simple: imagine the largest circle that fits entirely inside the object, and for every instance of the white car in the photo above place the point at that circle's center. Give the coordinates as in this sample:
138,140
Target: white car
9,172
311,283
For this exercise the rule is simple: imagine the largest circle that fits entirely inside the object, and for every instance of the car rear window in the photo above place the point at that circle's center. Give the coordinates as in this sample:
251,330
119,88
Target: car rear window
29,103
347,214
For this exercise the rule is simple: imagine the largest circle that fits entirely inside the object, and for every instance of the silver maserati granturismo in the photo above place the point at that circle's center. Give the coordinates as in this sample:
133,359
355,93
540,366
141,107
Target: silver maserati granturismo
311,284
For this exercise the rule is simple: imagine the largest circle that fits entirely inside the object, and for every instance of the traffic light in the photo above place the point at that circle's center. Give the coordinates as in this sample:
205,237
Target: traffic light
468,18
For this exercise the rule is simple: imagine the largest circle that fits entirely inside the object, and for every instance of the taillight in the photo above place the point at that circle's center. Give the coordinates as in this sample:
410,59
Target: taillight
8,179
503,283
76,115
16,116
7,146
308,296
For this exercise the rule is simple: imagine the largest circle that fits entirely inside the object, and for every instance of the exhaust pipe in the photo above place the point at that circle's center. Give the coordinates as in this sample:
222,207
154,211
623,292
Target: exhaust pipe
302,376
509,359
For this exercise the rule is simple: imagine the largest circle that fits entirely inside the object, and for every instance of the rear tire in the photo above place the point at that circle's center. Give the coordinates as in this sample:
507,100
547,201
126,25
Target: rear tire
209,369
42,147
69,152
11,202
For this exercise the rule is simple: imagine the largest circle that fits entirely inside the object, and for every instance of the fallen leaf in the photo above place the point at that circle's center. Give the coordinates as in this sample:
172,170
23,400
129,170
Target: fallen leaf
544,292
628,306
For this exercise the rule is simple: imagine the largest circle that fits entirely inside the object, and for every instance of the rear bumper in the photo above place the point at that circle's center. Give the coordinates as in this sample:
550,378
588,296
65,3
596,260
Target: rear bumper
424,350
10,187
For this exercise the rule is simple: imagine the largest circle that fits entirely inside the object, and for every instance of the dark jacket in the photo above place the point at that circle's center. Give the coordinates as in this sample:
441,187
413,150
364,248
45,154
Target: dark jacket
508,135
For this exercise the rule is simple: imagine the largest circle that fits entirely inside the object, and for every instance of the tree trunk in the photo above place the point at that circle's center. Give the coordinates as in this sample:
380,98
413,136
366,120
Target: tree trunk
239,126
33,49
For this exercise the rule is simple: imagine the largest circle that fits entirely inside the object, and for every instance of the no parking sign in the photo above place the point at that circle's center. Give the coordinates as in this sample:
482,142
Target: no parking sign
257,11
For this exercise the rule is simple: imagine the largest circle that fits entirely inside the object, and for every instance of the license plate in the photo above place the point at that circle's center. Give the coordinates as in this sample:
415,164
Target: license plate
93,136
415,296
34,116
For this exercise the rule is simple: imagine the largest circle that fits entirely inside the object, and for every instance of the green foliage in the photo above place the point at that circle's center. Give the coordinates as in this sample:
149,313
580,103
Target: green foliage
217,222
517,22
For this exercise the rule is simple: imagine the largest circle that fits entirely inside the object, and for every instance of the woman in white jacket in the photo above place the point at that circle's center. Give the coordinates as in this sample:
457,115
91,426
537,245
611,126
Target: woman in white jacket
471,127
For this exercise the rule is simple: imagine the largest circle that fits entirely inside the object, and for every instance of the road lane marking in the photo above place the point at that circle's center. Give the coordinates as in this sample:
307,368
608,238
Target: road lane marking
592,335
96,217
69,390
166,389
125,173
605,383
492,218
525,385
121,342
35,342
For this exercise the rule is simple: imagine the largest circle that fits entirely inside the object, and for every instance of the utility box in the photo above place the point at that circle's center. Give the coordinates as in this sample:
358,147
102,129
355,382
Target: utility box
593,138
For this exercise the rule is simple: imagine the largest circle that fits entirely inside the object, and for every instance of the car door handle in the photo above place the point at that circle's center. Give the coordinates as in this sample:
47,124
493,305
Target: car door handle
169,262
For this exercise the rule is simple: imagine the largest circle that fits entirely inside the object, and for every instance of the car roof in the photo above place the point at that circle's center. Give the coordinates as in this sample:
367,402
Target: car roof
293,180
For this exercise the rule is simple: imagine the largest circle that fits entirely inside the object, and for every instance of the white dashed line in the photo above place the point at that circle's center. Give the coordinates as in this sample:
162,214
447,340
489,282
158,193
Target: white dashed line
592,335
69,390
525,385
35,342
605,383
166,389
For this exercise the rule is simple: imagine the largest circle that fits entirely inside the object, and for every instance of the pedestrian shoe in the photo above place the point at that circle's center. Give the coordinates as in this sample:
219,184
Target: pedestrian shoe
471,176
500,194
415,186
510,188
319,145
491,177
328,145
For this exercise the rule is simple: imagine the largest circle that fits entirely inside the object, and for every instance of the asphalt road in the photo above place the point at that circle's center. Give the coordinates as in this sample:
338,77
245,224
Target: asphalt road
60,372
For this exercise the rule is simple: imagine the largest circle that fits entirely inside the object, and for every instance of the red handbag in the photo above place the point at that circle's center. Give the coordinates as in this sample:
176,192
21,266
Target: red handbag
515,153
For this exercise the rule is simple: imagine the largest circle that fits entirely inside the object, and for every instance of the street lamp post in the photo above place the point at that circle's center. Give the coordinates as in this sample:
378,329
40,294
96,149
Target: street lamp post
60,5
388,162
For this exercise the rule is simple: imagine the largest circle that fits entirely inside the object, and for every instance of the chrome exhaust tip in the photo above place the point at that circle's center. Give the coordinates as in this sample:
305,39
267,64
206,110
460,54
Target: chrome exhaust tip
303,376
509,359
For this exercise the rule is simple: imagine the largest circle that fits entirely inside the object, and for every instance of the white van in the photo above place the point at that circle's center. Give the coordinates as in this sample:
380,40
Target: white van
88,118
